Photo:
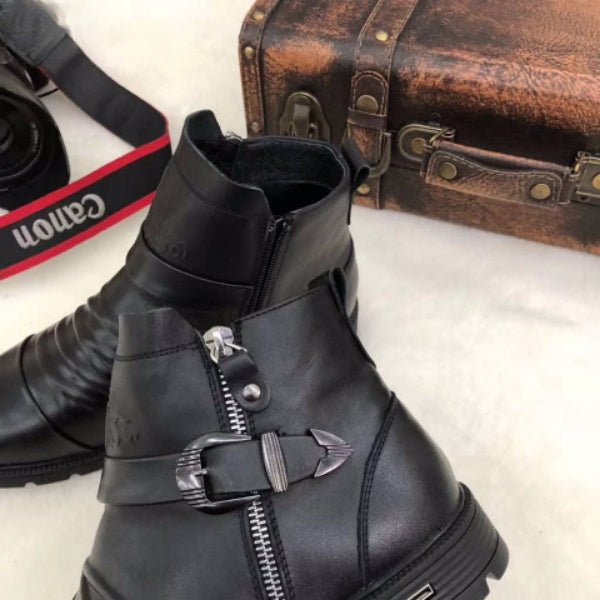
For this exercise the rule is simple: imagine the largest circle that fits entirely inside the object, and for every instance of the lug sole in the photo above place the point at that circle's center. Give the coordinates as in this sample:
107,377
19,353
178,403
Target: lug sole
51,471
455,567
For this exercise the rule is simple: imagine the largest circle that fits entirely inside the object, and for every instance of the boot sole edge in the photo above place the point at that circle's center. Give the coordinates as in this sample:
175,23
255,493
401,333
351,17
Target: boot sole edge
51,471
455,567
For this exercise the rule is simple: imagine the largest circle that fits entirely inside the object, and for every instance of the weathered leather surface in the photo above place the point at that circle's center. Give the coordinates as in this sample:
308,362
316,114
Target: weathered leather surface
574,226
533,65
522,80
530,64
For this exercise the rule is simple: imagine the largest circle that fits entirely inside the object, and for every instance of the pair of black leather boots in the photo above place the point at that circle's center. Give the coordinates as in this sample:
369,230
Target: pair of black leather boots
252,451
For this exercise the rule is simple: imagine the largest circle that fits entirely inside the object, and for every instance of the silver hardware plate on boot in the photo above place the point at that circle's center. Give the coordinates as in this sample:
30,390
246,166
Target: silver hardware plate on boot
337,452
425,593
274,462
191,473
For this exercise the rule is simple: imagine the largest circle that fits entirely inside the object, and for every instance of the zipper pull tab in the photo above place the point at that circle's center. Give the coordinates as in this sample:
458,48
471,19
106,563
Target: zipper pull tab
220,343
241,374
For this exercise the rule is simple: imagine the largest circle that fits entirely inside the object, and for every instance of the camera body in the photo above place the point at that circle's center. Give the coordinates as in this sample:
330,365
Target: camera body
33,161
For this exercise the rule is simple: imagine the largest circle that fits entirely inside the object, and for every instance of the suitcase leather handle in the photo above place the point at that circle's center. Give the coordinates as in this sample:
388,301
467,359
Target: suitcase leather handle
496,176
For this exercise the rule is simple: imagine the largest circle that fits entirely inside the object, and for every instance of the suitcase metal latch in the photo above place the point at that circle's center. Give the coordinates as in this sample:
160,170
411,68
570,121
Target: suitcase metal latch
303,117
587,170
414,139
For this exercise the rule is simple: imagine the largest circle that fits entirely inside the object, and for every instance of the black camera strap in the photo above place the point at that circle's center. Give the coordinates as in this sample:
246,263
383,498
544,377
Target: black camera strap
66,217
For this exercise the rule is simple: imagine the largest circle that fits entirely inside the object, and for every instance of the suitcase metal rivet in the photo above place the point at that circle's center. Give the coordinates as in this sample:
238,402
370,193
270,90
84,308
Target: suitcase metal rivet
541,191
596,182
364,189
367,104
258,15
448,171
249,52
418,145
382,36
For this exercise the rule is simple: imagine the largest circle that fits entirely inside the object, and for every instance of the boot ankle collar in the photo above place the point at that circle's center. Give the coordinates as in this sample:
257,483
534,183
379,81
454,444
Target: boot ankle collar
232,172
203,176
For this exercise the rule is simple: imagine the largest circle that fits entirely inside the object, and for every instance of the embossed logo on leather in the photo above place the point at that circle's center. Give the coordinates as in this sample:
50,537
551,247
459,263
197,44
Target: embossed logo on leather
119,429
171,246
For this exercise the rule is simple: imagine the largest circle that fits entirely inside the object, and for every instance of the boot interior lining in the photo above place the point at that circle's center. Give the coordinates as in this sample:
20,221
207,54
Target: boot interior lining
292,174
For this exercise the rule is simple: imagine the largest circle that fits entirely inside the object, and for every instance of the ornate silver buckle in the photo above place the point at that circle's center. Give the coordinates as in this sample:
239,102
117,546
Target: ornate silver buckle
191,474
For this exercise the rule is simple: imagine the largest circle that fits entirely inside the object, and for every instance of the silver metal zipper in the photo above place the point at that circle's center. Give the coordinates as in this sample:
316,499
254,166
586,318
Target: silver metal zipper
220,342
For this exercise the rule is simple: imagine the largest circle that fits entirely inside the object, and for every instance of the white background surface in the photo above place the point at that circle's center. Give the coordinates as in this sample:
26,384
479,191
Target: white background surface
492,342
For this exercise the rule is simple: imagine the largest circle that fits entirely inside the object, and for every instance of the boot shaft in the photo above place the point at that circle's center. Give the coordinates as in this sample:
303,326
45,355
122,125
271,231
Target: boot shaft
266,216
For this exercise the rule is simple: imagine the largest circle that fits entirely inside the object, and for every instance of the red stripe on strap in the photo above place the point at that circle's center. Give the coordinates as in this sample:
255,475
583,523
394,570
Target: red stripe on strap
79,238
76,186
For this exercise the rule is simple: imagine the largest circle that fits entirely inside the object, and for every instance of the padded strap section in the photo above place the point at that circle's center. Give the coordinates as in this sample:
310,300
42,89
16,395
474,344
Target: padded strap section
32,32
108,103
29,29
174,286
231,469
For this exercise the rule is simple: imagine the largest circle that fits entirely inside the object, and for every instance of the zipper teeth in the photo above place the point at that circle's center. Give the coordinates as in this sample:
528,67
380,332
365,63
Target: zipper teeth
266,281
262,545
237,422
259,531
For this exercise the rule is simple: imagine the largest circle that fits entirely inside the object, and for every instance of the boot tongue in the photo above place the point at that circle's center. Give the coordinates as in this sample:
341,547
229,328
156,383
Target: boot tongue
201,220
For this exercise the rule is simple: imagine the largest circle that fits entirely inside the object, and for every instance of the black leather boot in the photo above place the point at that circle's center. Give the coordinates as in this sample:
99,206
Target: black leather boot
236,226
268,461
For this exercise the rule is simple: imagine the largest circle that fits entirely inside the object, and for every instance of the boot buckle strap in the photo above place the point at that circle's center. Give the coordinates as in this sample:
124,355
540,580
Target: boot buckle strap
219,471
240,467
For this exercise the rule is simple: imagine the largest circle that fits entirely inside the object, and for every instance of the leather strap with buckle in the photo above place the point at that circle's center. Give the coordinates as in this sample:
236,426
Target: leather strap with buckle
367,121
222,471
501,177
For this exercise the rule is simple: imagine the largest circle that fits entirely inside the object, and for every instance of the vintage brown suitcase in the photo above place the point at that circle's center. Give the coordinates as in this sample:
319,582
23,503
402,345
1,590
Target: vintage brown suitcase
482,112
